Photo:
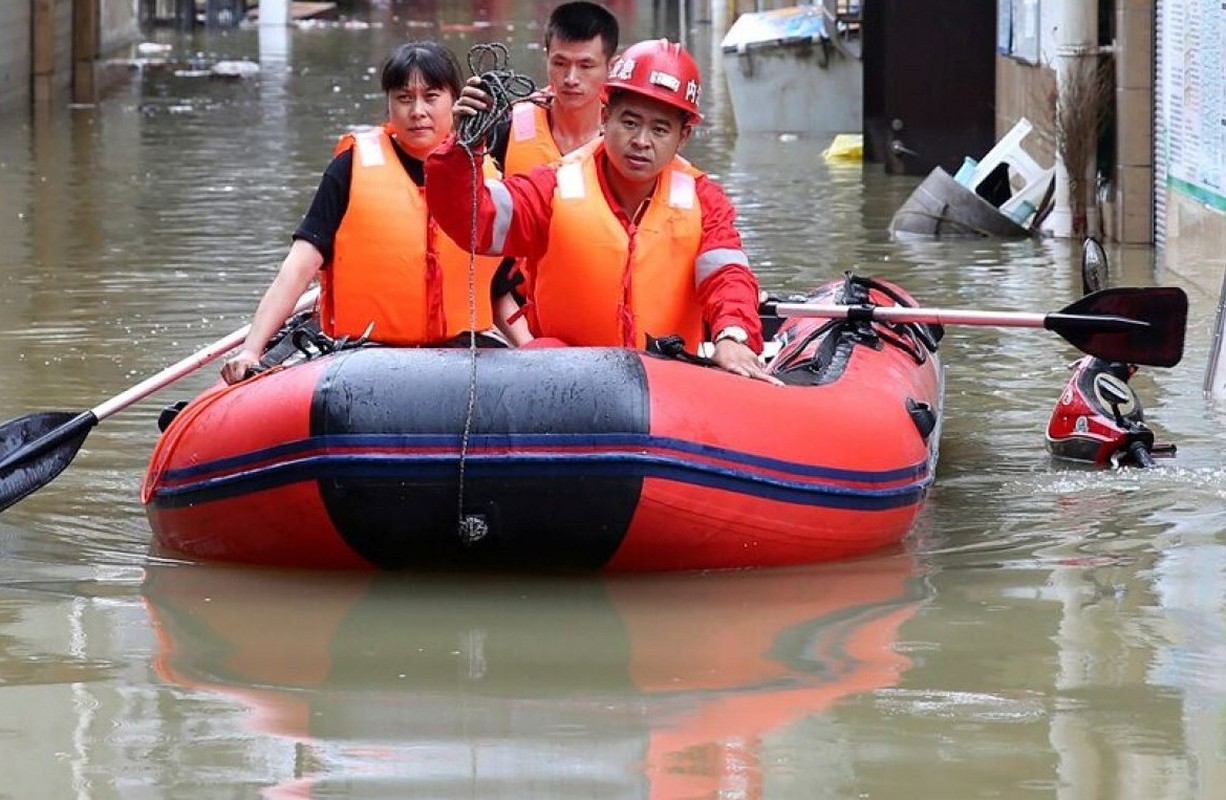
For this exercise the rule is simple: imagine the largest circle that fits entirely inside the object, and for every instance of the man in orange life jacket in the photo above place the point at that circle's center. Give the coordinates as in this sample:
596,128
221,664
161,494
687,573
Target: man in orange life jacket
622,238
580,41
382,261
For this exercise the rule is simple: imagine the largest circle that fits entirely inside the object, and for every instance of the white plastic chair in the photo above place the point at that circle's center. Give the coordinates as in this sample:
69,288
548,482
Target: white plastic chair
1033,178
1025,202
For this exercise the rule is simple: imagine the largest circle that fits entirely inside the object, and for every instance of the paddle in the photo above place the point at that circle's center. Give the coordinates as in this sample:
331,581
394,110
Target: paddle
1131,324
37,447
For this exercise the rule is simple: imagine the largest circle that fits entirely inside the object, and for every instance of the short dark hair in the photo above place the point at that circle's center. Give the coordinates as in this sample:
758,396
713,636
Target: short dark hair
436,64
580,21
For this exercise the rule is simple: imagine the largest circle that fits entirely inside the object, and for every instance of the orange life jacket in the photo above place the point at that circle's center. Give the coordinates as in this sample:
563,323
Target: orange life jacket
531,141
392,265
599,285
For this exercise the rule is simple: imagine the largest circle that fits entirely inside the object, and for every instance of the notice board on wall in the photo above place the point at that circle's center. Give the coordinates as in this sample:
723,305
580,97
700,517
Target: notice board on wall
1193,98
1017,29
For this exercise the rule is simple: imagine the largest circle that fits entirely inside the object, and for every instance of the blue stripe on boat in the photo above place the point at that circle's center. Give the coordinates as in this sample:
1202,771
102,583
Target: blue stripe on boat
588,442
414,464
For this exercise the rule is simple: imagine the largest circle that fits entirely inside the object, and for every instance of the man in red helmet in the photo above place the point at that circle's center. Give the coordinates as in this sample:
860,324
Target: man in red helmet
623,238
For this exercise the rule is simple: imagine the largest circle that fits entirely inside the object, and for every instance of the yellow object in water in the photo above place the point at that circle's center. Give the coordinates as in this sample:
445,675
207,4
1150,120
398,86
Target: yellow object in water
845,147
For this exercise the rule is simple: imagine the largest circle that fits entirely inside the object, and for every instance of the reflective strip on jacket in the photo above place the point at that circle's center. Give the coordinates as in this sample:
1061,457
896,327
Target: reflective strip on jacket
599,285
392,264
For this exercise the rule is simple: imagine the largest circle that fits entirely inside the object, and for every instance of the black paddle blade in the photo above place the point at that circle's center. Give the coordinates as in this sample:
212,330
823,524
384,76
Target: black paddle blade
37,447
1132,324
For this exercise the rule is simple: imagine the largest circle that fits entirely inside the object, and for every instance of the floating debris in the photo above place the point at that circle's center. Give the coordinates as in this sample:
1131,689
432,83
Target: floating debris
235,69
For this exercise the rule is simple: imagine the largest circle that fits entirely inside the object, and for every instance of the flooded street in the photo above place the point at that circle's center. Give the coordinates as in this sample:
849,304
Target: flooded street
1048,630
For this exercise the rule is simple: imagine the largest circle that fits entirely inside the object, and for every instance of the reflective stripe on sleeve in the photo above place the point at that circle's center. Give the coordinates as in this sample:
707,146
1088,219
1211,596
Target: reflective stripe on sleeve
712,261
503,210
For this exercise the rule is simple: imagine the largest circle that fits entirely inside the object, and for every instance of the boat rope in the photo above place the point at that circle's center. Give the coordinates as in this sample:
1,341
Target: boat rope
471,527
491,63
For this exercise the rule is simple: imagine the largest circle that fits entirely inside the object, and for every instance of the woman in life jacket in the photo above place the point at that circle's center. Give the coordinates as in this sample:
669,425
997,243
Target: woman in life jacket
386,270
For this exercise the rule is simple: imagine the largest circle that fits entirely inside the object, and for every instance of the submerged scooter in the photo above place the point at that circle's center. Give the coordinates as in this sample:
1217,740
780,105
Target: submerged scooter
1099,418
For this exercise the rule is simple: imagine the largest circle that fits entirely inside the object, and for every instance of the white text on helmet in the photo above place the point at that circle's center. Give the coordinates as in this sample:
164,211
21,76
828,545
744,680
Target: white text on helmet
622,70
691,92
664,79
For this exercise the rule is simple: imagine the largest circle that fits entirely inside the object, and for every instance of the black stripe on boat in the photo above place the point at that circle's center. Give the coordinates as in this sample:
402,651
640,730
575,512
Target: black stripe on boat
576,523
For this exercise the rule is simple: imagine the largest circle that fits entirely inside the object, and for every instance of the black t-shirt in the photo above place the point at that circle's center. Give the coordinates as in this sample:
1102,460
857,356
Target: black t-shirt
323,218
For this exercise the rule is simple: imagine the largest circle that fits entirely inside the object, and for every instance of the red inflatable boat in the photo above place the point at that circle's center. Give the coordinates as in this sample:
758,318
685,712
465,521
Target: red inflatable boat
567,458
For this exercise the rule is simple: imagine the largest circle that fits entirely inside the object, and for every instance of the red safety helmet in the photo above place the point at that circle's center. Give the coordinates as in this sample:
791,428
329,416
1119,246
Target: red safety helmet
659,69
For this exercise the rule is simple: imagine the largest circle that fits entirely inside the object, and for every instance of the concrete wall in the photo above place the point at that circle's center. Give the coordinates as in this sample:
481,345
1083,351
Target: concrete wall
1195,241
1027,90
15,55
36,62
1128,214
53,78
118,24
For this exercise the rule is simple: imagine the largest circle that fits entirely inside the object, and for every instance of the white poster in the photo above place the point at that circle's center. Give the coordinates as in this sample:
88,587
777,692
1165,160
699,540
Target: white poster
1017,29
1193,102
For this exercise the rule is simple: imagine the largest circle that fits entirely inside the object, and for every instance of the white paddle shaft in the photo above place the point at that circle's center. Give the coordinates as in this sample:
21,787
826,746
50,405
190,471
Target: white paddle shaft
930,316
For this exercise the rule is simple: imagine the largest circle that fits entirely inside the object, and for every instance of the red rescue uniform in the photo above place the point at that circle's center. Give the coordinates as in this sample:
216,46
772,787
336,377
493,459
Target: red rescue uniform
600,285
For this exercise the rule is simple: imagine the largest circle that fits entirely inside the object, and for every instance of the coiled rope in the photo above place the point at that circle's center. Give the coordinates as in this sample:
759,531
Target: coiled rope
492,63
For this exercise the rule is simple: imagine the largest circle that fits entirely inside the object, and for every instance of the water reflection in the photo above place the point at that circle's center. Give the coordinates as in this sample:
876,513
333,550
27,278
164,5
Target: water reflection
668,686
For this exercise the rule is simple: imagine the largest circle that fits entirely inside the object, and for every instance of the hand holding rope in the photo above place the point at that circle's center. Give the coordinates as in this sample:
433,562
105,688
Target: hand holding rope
483,103
501,88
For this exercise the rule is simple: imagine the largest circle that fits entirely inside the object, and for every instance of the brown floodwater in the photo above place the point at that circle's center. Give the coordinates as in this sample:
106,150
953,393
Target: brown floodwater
1048,630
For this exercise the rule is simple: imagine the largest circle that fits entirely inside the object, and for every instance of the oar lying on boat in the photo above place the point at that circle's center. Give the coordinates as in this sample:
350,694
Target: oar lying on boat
1130,324
37,447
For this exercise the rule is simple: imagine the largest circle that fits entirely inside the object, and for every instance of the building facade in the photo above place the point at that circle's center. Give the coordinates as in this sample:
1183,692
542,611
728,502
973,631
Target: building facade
54,49
1159,175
